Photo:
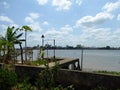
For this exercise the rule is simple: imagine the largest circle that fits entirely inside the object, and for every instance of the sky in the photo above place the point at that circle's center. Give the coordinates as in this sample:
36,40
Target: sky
69,22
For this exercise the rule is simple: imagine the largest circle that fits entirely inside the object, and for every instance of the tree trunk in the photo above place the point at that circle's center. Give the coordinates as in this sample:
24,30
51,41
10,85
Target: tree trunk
8,56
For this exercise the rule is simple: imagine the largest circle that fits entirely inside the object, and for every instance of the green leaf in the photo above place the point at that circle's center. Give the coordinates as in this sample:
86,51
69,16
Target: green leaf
27,28
19,35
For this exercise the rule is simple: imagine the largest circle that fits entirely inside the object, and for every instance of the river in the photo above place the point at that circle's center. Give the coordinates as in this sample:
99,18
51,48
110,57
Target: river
92,59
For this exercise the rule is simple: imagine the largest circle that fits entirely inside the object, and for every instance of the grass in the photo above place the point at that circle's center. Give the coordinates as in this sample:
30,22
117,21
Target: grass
36,62
108,72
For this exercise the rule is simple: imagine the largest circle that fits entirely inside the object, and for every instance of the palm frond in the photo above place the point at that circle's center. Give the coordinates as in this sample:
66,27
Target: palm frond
27,28
18,36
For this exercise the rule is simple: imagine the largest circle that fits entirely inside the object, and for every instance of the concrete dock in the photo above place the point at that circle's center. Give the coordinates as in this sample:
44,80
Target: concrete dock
65,63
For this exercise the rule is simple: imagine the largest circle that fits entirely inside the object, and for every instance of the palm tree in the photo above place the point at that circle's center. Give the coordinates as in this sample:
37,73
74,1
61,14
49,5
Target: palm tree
9,40
26,28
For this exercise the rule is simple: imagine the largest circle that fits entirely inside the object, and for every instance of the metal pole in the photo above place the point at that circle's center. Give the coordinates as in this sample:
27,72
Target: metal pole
47,50
42,42
25,45
81,59
54,49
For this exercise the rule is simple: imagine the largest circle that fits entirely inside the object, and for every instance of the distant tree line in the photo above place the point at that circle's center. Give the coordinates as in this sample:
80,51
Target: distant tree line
79,46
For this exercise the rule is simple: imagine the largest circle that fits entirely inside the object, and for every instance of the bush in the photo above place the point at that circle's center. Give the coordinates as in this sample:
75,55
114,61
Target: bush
7,79
45,79
25,85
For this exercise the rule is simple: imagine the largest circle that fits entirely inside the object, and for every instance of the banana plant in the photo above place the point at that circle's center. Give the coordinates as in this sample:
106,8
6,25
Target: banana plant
9,40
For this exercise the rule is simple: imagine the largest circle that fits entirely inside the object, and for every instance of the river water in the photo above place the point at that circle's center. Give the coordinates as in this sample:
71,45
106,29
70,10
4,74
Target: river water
92,59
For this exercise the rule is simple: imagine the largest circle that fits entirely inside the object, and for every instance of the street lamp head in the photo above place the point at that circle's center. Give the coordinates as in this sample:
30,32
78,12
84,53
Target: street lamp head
42,36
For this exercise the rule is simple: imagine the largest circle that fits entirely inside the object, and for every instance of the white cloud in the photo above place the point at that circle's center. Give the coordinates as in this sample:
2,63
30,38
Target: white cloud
118,17
62,4
5,19
45,23
14,24
42,2
6,5
79,2
31,19
62,35
34,15
90,21
115,37
95,36
36,26
109,7
3,26
66,29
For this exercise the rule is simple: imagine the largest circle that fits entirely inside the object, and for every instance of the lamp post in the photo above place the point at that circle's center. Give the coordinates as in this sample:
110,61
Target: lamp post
42,40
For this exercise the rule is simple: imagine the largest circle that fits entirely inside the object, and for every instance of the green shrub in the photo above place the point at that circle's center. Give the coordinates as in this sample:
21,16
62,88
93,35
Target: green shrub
25,85
45,79
7,79
39,62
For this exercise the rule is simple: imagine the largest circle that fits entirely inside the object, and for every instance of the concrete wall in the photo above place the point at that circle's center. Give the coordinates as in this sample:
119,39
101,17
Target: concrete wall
27,71
80,80
86,81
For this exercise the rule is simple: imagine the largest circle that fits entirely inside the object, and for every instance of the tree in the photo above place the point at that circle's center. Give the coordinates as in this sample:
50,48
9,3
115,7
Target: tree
108,47
9,40
2,47
78,46
26,28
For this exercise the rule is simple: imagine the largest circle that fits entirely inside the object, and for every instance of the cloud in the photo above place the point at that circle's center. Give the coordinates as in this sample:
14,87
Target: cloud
109,7
66,29
42,2
29,20
62,4
95,36
90,21
118,17
36,26
63,35
32,17
79,2
33,23
6,19
45,23
5,4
